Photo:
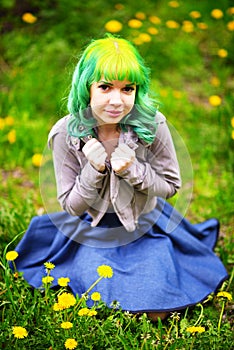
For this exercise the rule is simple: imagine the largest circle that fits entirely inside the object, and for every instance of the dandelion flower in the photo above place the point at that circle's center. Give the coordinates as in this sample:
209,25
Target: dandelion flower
215,100
140,15
83,312
66,325
63,281
11,136
172,24
113,26
222,53
11,255
92,313
119,6
105,271
232,122
134,23
217,13
195,14
57,307
215,81
49,265
202,25
95,296
37,160
47,279
29,18
230,25
19,332
225,295
173,4
9,120
66,300
230,10
177,94
70,344
194,329
187,26
152,30
154,19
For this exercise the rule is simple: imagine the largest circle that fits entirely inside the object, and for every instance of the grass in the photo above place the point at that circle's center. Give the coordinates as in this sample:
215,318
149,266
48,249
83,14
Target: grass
36,62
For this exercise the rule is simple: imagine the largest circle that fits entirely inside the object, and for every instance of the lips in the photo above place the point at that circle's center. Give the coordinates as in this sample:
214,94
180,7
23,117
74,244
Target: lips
114,113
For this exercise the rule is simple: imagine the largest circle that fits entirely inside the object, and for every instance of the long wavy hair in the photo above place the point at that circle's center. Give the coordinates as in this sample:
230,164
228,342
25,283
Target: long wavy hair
111,58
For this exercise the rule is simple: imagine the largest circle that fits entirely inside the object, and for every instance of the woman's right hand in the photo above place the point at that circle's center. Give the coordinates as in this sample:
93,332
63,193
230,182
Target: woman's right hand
95,153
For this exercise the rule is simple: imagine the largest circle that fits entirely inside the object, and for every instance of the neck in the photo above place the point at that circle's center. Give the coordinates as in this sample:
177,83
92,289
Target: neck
108,131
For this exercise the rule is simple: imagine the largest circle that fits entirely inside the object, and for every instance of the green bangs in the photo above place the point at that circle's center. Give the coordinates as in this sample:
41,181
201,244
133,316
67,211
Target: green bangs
113,59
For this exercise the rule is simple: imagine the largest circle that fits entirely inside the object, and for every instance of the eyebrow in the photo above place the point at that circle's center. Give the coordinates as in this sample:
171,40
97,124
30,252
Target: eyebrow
107,83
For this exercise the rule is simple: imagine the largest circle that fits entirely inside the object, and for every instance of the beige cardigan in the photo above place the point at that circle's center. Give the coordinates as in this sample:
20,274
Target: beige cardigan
81,188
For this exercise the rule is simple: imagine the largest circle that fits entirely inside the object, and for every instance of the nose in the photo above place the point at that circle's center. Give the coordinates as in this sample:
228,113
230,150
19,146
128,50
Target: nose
115,97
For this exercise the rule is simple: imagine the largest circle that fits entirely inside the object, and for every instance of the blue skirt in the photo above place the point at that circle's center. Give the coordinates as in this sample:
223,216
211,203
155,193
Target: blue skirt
166,264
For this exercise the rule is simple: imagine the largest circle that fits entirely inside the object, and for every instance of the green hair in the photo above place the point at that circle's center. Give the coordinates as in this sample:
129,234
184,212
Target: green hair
113,58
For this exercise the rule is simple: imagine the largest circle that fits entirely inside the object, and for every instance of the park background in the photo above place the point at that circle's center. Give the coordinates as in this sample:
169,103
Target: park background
189,47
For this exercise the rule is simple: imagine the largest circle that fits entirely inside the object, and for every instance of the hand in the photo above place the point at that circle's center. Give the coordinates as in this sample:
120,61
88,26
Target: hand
95,153
122,158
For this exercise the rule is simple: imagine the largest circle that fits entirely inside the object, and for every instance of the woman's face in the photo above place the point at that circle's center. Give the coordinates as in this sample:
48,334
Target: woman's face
111,101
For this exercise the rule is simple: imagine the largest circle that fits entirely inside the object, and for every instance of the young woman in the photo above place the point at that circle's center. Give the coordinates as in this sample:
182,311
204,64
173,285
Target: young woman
115,166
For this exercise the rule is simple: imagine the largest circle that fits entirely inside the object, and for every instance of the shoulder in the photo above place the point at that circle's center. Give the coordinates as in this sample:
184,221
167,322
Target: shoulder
160,118
60,127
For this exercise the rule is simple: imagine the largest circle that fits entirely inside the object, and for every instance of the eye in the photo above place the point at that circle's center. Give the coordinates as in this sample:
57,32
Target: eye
128,89
103,87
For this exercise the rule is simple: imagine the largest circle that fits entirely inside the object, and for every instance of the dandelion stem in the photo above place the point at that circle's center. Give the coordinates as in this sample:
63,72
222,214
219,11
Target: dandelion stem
221,316
200,316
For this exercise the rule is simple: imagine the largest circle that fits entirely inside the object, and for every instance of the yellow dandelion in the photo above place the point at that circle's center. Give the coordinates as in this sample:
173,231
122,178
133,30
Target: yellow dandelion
232,122
2,123
152,30
95,296
63,281
9,121
92,313
70,344
177,94
224,295
173,4
215,100
49,265
202,25
230,10
105,271
57,307
66,300
11,255
145,37
66,325
140,15
163,92
195,14
29,18
47,279
37,159
154,19
137,41
215,81
11,136
217,13
187,26
83,312
134,23
172,24
113,26
119,6
19,332
222,53
230,25
194,329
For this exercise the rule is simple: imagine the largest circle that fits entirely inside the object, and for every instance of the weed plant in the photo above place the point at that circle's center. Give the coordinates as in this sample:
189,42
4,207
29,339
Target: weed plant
189,46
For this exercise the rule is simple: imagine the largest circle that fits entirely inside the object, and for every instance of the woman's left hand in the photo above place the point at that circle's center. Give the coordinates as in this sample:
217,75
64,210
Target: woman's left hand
122,158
